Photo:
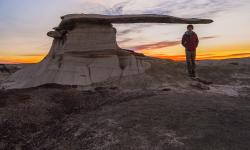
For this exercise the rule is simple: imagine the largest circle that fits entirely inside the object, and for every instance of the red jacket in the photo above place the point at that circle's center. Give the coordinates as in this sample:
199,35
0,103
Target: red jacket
190,41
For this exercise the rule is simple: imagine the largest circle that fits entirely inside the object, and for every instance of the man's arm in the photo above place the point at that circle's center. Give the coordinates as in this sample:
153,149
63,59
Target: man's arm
197,40
184,41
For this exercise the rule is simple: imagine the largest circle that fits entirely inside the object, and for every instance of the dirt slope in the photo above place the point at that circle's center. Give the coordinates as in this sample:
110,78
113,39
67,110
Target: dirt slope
161,109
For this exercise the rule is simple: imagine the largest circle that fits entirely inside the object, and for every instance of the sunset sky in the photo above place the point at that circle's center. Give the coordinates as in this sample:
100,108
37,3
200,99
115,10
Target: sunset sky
24,24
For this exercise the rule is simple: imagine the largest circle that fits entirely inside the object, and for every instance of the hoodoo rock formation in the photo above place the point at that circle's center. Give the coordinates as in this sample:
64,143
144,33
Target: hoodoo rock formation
85,51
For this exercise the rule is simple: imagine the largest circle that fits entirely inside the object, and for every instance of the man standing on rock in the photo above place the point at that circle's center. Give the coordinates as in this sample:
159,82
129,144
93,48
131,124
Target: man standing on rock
190,41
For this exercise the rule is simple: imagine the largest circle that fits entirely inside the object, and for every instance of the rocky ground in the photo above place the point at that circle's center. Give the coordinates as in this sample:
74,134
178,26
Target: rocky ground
7,70
161,109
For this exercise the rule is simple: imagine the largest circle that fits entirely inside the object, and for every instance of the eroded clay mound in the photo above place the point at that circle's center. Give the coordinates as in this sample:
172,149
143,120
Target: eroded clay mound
85,55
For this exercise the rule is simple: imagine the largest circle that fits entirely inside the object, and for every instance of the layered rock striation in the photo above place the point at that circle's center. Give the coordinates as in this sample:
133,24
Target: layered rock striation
85,51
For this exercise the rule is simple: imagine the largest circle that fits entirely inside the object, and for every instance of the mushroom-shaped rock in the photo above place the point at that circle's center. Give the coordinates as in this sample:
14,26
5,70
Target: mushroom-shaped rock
85,51
69,20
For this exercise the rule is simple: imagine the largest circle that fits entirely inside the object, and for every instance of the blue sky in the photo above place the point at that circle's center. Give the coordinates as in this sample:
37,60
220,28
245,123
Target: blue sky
24,24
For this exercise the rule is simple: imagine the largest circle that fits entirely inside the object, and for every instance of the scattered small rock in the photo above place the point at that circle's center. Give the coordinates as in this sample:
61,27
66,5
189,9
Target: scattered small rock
100,88
114,88
234,63
88,92
3,68
200,86
56,86
166,89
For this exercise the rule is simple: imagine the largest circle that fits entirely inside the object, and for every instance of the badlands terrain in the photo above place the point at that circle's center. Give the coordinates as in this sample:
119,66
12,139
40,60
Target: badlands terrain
161,109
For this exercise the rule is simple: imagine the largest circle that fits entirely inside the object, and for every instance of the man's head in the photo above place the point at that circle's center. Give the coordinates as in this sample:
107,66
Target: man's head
190,27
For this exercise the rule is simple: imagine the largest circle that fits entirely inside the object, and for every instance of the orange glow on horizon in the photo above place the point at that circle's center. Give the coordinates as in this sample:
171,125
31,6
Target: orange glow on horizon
175,53
183,57
21,59
36,59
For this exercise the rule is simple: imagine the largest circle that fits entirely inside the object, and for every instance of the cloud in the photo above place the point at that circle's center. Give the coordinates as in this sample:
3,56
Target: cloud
31,55
127,31
182,8
157,45
239,55
125,40
194,8
136,28
118,8
164,44
207,37
102,7
174,57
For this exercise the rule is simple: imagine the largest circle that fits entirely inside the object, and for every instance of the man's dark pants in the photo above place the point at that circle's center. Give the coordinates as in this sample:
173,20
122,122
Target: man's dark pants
190,58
